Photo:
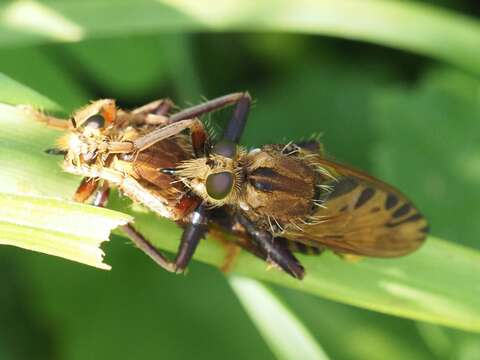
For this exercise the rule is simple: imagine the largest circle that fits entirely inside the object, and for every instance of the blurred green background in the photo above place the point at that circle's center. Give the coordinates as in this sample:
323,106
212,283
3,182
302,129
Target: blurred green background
403,117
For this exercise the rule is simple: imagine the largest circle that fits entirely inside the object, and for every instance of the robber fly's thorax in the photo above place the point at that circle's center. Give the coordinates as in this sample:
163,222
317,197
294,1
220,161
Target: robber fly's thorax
279,185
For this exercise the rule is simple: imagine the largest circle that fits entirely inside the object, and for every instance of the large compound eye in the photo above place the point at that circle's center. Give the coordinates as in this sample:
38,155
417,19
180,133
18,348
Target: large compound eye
96,121
219,185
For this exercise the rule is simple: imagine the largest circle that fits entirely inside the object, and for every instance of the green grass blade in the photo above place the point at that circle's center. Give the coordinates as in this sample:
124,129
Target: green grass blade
420,28
286,336
66,229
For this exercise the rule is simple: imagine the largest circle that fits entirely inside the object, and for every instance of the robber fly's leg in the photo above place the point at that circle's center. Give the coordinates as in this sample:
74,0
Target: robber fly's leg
192,234
208,106
186,120
100,200
277,251
236,125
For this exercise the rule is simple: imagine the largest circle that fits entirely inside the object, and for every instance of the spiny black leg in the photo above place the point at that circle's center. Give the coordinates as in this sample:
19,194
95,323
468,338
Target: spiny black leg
237,123
277,251
190,238
228,145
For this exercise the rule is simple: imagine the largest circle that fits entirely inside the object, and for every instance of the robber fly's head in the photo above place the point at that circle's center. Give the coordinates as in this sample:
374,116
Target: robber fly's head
83,143
217,177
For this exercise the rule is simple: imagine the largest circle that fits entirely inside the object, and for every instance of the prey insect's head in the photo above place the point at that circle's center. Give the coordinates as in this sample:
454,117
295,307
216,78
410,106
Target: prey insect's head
91,125
97,115
217,178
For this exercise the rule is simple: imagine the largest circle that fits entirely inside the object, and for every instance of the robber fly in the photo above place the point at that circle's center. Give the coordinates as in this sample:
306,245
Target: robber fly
276,199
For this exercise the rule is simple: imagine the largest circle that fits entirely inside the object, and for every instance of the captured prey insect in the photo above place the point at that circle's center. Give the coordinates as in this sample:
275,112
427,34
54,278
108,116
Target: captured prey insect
276,200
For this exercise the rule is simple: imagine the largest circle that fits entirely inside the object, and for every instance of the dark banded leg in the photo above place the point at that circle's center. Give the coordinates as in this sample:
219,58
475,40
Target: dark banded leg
192,234
237,123
235,127
277,251
228,145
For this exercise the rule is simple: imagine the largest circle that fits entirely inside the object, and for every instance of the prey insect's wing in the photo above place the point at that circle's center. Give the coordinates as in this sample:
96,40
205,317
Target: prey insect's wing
364,216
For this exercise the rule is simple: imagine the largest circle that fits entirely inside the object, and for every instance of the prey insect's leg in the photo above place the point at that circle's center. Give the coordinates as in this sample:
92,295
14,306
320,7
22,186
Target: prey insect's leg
154,113
86,189
276,251
50,121
157,107
143,244
191,236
